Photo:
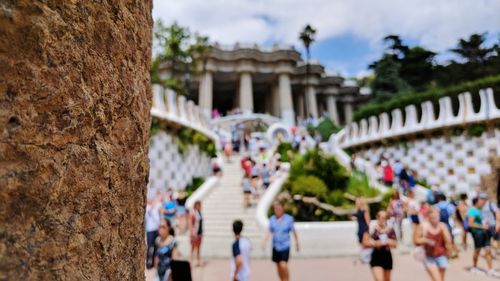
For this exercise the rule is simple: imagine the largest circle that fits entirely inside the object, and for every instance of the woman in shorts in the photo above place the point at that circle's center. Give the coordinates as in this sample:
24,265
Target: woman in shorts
434,236
382,240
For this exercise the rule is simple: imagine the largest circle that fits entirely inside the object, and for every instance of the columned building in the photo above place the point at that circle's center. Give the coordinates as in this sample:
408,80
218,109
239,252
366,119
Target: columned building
274,81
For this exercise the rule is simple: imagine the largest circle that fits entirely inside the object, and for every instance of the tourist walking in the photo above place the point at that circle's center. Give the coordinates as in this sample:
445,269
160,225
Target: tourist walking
196,232
362,218
434,237
169,208
280,227
241,248
265,174
479,230
461,212
166,250
388,174
152,222
490,216
395,210
182,211
381,240
446,214
247,190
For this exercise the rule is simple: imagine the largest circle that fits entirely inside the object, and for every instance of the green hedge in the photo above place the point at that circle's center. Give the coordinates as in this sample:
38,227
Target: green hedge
404,99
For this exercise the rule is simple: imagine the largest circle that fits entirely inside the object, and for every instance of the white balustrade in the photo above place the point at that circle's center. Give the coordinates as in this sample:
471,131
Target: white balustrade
375,128
181,111
493,110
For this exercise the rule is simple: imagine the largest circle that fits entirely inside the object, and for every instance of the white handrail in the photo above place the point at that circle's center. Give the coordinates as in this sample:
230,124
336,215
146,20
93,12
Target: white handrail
267,199
202,191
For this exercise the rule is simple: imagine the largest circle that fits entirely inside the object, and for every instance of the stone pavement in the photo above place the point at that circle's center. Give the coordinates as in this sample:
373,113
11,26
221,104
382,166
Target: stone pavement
340,268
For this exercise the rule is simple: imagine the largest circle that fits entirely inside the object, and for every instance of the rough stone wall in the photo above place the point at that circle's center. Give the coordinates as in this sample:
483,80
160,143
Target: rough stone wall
74,124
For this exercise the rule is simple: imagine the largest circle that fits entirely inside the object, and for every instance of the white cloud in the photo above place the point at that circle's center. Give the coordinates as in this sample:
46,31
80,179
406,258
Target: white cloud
436,24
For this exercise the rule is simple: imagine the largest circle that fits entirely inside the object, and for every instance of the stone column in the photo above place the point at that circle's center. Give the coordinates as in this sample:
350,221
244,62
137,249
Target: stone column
348,113
331,104
206,94
285,94
246,92
75,95
301,106
312,105
275,106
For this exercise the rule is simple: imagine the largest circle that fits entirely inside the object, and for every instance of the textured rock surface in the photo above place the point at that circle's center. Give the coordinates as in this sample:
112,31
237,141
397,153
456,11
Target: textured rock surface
74,124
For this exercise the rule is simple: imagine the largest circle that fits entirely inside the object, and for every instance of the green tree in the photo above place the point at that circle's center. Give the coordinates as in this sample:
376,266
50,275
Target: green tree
181,53
417,68
387,82
473,49
307,37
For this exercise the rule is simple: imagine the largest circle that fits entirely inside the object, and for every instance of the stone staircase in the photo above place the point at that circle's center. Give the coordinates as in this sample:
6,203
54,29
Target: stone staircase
221,207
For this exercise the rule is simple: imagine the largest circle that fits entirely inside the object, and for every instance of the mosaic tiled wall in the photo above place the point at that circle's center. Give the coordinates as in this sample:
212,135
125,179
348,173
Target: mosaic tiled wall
454,163
170,168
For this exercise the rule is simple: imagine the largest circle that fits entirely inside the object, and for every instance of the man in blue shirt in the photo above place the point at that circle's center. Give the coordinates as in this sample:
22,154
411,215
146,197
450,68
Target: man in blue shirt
280,226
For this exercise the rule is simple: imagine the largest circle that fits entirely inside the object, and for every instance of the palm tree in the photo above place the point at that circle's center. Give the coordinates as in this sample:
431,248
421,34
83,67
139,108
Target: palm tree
307,37
472,49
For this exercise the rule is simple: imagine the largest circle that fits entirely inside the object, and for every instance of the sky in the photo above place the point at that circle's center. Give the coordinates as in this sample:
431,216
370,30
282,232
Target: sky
349,32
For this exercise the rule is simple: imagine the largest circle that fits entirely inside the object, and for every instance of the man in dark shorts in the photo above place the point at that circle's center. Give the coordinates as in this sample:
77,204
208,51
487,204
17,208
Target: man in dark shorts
280,226
479,231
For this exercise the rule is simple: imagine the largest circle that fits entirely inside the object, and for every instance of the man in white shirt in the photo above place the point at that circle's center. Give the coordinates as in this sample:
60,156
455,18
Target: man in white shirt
241,248
152,224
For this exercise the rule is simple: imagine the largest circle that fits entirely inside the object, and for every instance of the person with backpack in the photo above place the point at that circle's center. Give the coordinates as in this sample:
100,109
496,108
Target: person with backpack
489,212
446,213
479,231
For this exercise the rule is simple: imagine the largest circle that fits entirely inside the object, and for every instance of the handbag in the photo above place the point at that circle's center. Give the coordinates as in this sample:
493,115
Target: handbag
419,253
366,255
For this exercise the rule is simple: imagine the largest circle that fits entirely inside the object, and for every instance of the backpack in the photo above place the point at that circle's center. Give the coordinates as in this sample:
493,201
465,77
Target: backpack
444,216
466,224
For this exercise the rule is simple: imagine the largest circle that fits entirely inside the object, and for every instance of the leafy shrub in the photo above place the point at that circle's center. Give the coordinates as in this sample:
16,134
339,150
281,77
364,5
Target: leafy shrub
309,186
326,128
284,149
195,183
336,198
359,186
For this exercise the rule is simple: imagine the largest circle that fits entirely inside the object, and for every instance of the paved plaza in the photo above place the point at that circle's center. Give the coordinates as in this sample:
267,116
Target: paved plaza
341,268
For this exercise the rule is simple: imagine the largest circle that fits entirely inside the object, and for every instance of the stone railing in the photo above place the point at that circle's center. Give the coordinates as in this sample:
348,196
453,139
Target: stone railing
172,108
377,128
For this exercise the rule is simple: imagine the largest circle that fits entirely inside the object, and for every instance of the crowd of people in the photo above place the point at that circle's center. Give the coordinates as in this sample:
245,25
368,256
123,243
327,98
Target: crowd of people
439,224
165,216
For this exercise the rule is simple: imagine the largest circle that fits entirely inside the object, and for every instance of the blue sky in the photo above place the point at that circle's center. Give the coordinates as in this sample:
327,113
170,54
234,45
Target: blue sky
350,32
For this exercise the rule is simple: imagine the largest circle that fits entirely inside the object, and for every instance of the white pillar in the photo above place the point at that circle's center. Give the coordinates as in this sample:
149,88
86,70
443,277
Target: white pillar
331,105
246,92
205,95
348,113
312,105
285,94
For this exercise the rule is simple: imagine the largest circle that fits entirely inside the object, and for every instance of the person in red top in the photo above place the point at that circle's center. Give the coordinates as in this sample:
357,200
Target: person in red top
388,176
435,238
246,165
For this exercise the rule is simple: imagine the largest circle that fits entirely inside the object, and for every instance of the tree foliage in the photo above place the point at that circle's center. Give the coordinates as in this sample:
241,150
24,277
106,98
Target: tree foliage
408,75
181,52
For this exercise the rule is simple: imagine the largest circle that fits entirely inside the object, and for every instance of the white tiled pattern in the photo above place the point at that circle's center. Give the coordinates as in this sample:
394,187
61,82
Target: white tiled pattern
170,168
455,163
